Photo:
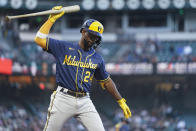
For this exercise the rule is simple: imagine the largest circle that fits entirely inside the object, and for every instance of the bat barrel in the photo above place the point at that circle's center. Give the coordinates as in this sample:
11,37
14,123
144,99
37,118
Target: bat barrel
68,9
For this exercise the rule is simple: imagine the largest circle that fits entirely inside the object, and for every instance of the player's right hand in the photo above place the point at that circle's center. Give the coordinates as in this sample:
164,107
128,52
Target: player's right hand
54,17
125,108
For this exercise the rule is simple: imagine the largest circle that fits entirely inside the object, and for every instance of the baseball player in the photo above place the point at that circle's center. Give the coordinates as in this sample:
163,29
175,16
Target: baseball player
76,65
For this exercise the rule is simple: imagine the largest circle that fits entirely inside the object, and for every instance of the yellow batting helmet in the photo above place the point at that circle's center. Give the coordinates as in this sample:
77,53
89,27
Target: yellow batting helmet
94,27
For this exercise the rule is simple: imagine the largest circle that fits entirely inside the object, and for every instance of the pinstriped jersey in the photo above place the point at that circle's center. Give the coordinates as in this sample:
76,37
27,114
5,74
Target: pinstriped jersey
75,68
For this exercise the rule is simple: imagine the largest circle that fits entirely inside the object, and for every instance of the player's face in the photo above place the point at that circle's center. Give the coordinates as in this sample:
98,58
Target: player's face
93,38
89,39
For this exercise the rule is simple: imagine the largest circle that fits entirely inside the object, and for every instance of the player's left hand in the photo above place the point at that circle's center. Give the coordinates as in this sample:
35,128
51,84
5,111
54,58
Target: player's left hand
125,108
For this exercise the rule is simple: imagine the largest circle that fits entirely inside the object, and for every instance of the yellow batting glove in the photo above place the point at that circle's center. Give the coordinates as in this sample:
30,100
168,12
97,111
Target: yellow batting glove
54,17
125,108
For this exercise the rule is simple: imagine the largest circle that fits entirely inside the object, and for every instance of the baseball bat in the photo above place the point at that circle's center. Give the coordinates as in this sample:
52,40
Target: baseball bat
68,9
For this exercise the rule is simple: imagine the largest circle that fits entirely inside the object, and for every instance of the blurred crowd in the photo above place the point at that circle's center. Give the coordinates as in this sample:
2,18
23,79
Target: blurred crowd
15,117
154,51
28,58
163,118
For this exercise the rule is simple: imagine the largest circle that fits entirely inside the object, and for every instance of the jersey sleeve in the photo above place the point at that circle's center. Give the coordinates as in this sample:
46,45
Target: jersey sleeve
100,73
55,47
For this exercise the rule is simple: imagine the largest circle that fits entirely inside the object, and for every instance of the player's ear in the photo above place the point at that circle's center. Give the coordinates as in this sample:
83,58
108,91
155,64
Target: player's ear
83,31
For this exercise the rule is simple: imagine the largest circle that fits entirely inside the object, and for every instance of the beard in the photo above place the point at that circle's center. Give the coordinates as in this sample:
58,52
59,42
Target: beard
87,46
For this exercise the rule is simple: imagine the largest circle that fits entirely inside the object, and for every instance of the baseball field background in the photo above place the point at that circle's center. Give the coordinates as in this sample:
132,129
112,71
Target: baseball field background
149,47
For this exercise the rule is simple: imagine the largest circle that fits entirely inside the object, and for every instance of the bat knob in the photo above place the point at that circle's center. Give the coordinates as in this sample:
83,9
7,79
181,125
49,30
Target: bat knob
7,19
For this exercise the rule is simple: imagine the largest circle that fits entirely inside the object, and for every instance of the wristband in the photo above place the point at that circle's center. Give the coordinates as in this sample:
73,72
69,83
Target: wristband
41,35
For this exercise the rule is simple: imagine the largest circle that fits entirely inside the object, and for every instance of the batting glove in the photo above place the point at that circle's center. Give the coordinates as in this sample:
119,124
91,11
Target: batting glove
54,17
125,108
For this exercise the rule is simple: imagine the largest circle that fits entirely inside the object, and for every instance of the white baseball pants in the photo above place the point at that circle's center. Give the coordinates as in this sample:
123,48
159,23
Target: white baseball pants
64,106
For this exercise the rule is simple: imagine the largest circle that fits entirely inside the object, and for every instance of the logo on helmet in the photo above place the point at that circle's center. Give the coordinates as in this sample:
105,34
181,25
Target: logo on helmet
99,28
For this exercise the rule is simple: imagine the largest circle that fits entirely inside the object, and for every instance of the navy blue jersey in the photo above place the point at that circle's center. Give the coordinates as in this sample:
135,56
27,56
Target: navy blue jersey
75,68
